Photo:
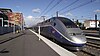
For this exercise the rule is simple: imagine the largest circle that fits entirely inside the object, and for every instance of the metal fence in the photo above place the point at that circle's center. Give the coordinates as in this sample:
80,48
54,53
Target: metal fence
4,30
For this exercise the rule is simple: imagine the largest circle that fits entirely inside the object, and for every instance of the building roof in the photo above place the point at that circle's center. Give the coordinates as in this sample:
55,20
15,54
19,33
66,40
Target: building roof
5,9
91,20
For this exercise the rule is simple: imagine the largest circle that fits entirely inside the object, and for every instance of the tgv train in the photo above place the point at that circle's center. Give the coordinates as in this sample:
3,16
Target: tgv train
64,31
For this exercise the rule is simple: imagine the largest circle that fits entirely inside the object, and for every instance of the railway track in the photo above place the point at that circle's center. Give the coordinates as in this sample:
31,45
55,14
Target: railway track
93,45
92,48
93,41
91,33
89,50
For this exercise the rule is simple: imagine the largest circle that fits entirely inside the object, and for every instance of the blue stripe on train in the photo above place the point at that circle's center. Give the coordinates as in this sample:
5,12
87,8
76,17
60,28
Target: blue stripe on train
60,38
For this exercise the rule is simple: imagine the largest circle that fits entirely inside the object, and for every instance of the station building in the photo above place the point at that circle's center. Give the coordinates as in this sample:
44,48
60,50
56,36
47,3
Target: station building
10,21
91,24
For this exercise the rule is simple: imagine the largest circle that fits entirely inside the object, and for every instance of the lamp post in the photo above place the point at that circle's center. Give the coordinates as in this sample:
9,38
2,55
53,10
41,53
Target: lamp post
95,20
14,28
99,28
39,31
21,21
14,23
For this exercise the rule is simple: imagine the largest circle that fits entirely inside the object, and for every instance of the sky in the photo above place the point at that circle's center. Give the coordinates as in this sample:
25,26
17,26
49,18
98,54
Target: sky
33,9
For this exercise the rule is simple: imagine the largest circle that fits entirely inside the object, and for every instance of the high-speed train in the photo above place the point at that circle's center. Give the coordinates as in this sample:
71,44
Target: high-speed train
64,31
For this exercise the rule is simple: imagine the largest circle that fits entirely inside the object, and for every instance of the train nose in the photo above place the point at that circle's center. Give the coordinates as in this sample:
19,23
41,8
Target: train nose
79,39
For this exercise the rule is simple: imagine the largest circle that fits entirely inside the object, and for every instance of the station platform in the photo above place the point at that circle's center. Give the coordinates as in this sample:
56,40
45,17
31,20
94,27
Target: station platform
28,44
9,36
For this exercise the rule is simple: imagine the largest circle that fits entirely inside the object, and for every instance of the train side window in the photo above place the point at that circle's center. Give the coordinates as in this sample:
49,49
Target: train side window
54,24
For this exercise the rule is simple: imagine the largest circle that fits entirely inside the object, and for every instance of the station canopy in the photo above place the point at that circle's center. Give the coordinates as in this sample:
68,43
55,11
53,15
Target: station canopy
3,12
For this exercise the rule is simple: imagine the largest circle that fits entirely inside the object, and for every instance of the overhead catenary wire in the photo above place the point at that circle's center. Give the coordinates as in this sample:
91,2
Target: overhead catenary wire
53,7
83,4
68,5
79,6
47,7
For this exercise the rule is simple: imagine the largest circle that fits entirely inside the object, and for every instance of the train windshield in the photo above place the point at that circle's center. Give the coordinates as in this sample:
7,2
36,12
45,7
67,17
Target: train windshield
68,23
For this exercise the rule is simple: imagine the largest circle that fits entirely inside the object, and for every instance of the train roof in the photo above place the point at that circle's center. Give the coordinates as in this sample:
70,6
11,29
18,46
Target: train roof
60,18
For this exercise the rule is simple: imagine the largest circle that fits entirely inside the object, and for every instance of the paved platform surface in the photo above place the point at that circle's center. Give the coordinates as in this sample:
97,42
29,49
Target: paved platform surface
9,35
26,45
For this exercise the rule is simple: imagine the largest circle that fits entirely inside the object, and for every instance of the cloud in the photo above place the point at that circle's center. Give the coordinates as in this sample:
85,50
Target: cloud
97,11
37,10
31,21
17,6
69,14
29,17
61,15
37,20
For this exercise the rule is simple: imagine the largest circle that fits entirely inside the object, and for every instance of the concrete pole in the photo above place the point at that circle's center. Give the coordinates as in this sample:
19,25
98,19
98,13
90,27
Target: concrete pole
14,28
2,22
21,21
99,28
39,31
14,24
8,23
57,14
95,20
